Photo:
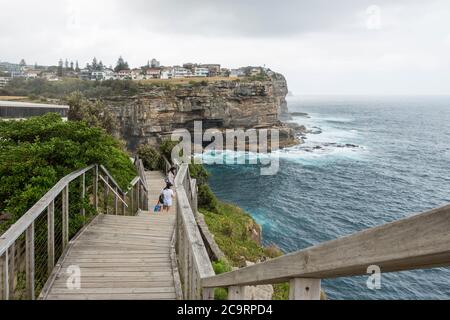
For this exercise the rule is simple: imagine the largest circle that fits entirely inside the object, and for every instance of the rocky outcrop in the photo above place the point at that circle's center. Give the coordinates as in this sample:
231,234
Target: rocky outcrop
281,91
157,110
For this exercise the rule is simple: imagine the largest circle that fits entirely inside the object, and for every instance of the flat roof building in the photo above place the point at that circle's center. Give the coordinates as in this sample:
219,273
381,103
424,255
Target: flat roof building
22,110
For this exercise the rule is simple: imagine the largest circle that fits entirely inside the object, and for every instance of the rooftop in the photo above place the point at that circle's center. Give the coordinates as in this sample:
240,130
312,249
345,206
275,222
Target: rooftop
31,105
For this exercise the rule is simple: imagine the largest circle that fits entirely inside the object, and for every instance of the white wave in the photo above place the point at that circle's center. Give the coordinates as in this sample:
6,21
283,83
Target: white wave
325,144
326,141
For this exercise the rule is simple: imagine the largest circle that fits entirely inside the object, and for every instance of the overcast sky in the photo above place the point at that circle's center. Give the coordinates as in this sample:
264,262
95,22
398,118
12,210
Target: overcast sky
321,46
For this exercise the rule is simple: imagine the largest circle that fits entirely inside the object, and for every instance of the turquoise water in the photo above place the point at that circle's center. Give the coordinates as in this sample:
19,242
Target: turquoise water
369,160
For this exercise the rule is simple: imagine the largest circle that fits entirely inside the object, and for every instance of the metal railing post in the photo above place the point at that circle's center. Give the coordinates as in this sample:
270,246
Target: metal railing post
51,236
116,204
106,194
95,186
5,276
65,216
123,203
29,251
83,195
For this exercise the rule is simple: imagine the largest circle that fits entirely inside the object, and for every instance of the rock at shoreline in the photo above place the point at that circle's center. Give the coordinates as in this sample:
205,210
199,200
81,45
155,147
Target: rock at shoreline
299,114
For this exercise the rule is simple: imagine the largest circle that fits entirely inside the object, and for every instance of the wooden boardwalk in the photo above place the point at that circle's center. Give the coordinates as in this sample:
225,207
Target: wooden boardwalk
125,258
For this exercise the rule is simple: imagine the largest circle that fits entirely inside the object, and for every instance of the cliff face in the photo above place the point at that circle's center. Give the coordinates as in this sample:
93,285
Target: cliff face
157,110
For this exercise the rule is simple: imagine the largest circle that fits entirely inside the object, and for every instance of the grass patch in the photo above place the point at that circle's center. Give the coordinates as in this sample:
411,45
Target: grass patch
232,229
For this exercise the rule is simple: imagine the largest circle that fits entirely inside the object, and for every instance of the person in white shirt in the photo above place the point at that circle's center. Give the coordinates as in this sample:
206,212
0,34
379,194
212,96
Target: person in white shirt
168,196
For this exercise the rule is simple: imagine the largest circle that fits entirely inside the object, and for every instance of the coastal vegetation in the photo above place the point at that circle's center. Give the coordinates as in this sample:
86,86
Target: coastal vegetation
41,89
95,113
36,153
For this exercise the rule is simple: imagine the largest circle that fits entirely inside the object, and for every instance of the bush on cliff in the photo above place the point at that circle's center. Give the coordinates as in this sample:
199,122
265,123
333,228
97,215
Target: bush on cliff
96,113
36,153
166,147
205,197
60,89
150,157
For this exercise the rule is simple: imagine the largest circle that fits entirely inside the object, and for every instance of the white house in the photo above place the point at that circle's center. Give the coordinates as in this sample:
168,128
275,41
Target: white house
236,73
4,81
153,73
98,75
256,71
85,74
167,74
109,74
201,72
31,74
124,74
179,72
136,74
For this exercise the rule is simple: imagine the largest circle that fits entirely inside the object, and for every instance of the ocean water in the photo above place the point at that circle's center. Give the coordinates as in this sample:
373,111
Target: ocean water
368,161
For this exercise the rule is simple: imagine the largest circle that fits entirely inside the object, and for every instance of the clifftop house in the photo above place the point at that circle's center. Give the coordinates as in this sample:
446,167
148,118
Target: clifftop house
98,72
153,73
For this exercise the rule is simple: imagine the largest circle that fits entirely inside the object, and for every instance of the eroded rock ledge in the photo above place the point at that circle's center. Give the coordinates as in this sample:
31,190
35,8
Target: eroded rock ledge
157,110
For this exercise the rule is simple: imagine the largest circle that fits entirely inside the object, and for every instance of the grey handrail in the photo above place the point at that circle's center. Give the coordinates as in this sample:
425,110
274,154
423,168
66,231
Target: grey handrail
193,259
18,228
418,242
26,225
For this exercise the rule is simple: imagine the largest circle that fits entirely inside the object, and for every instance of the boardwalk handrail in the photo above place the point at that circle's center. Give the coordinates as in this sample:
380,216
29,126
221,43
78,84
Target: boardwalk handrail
418,242
21,225
47,229
193,260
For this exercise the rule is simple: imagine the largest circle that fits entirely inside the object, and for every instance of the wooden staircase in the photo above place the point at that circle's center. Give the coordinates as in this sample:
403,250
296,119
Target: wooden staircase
121,257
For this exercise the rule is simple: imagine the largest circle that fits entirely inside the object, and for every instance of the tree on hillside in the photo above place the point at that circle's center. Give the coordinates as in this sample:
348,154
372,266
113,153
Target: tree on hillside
94,113
77,67
121,65
22,63
94,64
60,68
71,65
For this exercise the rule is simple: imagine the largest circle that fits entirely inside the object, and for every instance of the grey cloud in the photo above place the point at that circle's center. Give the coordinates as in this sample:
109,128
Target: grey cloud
248,18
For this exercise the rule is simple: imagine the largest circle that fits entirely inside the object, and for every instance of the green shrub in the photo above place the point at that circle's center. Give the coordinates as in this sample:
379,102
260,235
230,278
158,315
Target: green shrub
198,172
281,291
206,198
220,267
166,148
94,113
150,157
36,153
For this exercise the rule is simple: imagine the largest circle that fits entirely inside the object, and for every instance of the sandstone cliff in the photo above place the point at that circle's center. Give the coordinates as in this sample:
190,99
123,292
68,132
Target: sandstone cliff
158,109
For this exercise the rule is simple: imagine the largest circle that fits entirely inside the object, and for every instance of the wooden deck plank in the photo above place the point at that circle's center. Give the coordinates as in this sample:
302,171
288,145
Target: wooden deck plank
119,284
144,296
122,257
